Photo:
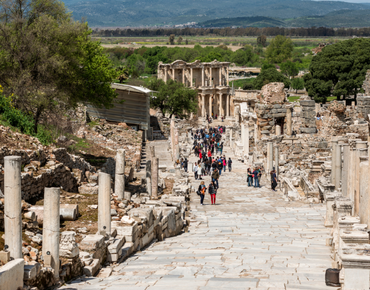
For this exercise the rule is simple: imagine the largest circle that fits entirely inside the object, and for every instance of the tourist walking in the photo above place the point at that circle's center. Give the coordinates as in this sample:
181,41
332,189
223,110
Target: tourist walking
186,164
195,169
212,191
201,192
229,163
255,176
273,179
219,166
215,176
224,163
250,177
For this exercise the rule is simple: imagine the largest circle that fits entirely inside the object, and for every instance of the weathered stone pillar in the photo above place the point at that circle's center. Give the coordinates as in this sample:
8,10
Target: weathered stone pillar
210,105
227,76
227,105
338,166
203,105
220,111
246,140
364,211
278,130
289,122
269,157
202,76
345,169
119,178
51,228
255,133
276,157
104,215
177,148
191,77
155,163
351,169
361,150
329,199
149,177
183,77
172,131
13,206
334,147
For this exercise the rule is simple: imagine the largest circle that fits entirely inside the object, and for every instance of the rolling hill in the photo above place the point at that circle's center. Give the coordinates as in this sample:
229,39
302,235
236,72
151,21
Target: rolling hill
118,13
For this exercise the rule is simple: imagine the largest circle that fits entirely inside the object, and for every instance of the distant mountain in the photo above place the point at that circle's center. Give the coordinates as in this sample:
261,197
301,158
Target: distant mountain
254,21
168,12
343,18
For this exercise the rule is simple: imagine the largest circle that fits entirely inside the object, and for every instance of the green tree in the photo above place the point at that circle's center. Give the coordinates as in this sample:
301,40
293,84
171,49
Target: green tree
173,97
289,68
179,40
280,49
339,69
48,61
261,40
270,75
171,39
297,84
242,56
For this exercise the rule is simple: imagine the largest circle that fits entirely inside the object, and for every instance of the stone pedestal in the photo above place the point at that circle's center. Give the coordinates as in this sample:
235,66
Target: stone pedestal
104,215
155,173
13,206
278,130
119,183
330,197
51,228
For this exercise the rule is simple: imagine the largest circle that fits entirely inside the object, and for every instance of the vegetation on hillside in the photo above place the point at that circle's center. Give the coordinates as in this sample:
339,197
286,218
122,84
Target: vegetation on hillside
339,70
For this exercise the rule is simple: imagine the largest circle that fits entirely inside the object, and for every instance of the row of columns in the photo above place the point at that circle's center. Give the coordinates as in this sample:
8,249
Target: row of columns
222,111
203,75
273,157
51,222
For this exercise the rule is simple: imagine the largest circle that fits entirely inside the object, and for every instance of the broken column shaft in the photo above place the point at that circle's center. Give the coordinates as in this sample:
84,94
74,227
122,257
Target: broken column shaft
334,147
289,122
246,140
155,173
13,206
345,169
277,156
50,229
104,215
270,159
338,166
119,180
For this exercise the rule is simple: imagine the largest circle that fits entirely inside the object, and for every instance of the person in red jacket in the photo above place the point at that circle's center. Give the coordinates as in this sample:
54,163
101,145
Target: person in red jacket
209,154
200,154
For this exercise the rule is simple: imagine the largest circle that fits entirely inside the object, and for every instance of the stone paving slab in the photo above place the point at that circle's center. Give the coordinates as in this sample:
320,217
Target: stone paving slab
251,239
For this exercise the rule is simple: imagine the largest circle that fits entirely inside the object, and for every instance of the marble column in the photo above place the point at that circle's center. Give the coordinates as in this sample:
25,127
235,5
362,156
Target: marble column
172,132
220,105
334,144
202,76
219,76
203,105
227,105
345,169
289,122
149,177
255,133
210,77
165,74
104,215
246,140
191,78
364,203
173,74
276,157
155,165
269,157
361,150
210,105
183,76
338,166
13,206
227,76
51,229
119,178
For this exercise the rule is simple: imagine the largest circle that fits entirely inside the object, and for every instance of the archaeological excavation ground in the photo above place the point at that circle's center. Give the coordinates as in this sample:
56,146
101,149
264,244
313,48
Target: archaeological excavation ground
116,204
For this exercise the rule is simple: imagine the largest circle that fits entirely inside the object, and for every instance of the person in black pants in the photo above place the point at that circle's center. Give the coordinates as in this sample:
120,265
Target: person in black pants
186,165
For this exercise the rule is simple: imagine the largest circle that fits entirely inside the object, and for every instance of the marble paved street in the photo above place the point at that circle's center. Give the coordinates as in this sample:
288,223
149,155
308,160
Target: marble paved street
251,239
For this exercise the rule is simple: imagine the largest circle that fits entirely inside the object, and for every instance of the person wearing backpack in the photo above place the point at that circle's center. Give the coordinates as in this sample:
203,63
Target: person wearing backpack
220,166
215,176
255,176
201,192
212,191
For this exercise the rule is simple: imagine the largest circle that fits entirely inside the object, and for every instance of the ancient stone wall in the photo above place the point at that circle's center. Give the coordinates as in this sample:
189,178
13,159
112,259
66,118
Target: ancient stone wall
266,115
308,117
